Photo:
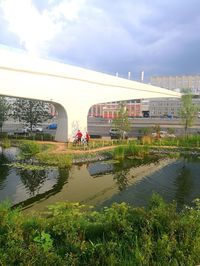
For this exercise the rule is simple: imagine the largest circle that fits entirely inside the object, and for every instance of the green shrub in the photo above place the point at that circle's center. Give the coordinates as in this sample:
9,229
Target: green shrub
146,140
60,160
190,141
3,135
119,153
44,136
6,143
29,149
132,149
73,234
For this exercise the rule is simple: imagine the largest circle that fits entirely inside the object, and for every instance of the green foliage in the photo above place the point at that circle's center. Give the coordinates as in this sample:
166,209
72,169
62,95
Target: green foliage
188,111
121,121
60,160
30,112
6,143
34,136
30,167
157,128
119,153
29,149
192,141
44,240
43,136
3,135
170,130
4,110
132,149
146,140
73,234
145,131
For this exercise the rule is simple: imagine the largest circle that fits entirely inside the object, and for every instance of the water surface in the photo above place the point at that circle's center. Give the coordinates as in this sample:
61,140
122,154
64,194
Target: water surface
101,183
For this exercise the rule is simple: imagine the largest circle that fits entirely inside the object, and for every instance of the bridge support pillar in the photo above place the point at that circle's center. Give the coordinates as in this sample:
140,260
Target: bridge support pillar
69,120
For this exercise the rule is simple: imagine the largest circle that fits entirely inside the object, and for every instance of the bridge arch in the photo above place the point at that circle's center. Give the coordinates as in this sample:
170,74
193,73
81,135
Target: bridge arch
71,89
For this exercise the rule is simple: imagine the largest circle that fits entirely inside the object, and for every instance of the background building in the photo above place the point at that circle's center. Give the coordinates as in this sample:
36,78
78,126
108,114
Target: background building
156,107
167,107
191,82
110,110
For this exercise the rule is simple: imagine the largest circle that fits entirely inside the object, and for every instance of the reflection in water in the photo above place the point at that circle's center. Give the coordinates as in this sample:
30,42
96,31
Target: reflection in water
184,184
99,168
32,180
61,176
27,186
121,179
129,180
122,168
119,169
177,181
4,170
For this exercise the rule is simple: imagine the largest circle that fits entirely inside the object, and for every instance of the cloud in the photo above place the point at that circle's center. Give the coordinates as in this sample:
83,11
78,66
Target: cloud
35,28
159,37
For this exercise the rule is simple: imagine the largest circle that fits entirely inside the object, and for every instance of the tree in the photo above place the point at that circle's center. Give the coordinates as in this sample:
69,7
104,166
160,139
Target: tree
188,111
4,109
30,112
121,121
145,131
157,130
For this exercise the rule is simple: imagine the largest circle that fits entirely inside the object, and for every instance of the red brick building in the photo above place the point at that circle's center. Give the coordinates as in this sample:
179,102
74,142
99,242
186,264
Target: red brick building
109,110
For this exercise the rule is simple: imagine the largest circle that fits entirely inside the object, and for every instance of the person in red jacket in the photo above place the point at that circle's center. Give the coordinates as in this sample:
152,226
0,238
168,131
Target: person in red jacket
87,137
79,137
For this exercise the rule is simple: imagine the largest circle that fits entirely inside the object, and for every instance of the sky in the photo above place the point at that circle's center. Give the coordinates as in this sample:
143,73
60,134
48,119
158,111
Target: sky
159,37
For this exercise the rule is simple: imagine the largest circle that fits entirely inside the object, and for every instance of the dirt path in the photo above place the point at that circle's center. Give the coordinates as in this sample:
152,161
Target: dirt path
62,147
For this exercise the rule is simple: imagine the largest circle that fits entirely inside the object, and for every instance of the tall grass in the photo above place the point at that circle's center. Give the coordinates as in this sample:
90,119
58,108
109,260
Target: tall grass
190,141
6,143
29,149
60,160
132,149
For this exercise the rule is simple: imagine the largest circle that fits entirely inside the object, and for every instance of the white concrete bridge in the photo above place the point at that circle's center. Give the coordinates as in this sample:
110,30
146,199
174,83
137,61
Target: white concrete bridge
71,89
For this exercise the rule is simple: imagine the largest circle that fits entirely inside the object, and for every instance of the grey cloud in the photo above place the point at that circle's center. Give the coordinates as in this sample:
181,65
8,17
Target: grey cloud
159,37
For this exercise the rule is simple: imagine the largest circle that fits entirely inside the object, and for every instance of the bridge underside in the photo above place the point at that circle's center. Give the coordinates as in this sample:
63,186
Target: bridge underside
71,89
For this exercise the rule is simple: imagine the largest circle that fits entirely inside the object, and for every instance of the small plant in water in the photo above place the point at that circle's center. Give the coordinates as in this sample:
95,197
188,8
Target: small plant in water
119,153
28,166
29,149
6,143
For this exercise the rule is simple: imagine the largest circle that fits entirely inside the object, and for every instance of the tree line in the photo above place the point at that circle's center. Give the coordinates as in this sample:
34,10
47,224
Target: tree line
29,112
188,114
33,112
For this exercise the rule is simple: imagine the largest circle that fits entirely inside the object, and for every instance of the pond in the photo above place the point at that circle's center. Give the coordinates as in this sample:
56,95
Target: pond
101,183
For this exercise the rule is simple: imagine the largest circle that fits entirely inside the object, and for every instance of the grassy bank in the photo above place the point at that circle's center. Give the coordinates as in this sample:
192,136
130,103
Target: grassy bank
47,154
71,234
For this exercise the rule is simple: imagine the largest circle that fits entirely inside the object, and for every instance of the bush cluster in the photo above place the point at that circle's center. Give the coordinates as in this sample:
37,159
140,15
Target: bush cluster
60,160
29,149
132,149
190,141
71,234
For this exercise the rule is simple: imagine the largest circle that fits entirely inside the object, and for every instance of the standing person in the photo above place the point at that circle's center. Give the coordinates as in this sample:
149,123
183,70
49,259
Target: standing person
87,137
79,137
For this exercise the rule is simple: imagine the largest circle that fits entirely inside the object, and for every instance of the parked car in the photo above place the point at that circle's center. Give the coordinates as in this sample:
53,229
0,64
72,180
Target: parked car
34,129
21,131
163,134
52,126
116,133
